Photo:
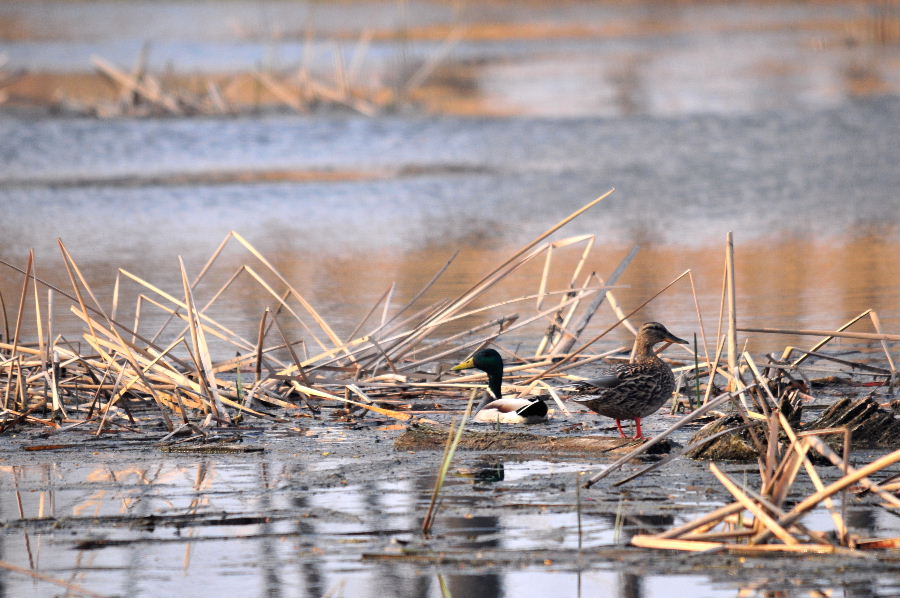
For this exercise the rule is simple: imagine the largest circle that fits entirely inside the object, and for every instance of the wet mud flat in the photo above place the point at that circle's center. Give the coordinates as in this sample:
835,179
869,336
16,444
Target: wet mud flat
331,507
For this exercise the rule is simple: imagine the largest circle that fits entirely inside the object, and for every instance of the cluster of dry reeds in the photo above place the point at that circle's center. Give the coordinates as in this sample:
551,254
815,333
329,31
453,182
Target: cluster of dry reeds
125,376
302,88
760,521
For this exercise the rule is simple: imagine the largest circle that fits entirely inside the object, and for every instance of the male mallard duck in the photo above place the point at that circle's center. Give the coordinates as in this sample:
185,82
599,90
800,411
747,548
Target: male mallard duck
493,407
636,389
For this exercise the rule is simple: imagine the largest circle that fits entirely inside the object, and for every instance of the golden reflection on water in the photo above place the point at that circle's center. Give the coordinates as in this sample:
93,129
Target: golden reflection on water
790,282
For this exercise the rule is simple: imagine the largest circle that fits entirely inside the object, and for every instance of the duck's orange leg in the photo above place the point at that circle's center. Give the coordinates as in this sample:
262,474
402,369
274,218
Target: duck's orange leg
639,434
621,431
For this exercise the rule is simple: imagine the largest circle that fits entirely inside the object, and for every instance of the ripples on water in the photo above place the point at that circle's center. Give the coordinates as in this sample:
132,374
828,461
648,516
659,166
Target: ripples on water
810,196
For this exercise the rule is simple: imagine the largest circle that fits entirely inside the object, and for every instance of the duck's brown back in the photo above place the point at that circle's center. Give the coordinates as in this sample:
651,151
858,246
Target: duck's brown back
637,390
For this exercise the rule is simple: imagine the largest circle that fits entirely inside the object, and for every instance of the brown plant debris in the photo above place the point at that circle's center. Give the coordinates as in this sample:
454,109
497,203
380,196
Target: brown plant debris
762,521
870,426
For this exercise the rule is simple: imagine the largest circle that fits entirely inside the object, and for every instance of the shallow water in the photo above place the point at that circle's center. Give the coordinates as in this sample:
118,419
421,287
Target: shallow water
809,195
299,520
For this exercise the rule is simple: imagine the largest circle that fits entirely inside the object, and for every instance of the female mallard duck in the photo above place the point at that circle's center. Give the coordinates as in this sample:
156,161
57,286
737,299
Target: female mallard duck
493,408
636,389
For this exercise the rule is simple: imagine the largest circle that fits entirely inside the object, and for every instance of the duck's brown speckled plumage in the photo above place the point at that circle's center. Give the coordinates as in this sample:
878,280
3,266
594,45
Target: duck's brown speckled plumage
636,389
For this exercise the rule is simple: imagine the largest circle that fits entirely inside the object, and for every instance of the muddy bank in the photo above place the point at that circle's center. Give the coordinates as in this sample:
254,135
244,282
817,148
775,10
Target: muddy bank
428,437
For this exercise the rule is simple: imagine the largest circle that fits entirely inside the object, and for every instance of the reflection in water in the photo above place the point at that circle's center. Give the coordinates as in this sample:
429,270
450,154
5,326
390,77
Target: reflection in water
806,194
307,539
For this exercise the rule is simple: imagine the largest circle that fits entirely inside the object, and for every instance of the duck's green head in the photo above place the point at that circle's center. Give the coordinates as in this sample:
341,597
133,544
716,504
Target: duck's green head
490,362
486,360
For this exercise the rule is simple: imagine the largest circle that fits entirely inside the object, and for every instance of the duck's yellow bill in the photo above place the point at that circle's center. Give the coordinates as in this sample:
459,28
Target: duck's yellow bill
467,364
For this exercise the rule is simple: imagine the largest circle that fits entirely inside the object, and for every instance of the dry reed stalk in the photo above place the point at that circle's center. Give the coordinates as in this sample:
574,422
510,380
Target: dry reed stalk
371,311
834,333
138,312
281,92
853,364
203,271
488,338
398,415
70,587
824,450
811,501
114,308
133,381
148,91
505,302
261,337
645,541
586,360
752,506
42,345
326,92
732,309
563,318
201,350
85,307
394,333
441,317
449,451
406,335
707,521
210,328
224,332
359,54
306,305
714,370
489,279
598,301
559,321
20,349
674,455
620,313
385,357
5,317
824,341
787,472
699,317
876,323
424,71
582,348
501,322
423,290
290,348
762,382
18,328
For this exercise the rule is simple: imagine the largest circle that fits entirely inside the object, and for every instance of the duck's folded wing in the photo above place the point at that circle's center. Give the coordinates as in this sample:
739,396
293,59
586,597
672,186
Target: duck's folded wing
609,380
533,409
523,407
